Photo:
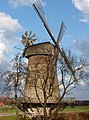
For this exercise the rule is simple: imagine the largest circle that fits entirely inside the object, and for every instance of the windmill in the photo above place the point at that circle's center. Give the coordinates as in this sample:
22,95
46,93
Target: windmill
42,63
38,8
28,39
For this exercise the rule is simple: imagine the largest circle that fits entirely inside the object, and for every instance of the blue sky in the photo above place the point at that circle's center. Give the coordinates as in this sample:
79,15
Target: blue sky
17,16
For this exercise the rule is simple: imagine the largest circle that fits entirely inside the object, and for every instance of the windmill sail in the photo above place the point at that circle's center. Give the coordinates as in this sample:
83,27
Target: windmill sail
61,32
38,8
67,63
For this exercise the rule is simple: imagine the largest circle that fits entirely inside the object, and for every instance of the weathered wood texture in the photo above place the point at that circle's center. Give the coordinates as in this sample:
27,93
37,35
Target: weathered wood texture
41,60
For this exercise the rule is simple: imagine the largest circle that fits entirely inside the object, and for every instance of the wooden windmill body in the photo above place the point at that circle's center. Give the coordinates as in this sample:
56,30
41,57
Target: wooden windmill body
41,73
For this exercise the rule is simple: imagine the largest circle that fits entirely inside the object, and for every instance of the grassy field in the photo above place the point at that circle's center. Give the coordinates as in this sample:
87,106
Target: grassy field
11,109
7,118
10,118
7,109
77,109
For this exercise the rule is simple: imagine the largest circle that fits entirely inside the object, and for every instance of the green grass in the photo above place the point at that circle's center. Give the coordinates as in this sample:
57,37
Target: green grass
10,118
7,109
77,109
10,109
7,118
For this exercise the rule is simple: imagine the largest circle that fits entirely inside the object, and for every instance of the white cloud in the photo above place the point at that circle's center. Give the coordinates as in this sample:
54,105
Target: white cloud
83,7
8,26
6,22
2,50
82,83
82,47
17,3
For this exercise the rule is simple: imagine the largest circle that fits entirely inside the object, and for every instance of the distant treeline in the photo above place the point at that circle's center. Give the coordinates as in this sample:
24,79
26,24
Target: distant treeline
78,102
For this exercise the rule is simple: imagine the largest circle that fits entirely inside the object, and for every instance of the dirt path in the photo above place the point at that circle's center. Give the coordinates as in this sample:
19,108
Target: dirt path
6,114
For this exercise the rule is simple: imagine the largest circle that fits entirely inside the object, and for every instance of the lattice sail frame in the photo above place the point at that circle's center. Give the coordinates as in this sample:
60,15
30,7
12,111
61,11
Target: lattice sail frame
60,36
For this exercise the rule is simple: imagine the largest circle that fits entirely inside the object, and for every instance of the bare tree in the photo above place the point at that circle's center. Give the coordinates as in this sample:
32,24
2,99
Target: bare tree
14,80
43,83
67,81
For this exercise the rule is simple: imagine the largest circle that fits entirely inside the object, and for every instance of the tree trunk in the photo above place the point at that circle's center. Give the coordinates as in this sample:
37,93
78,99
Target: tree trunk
17,111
